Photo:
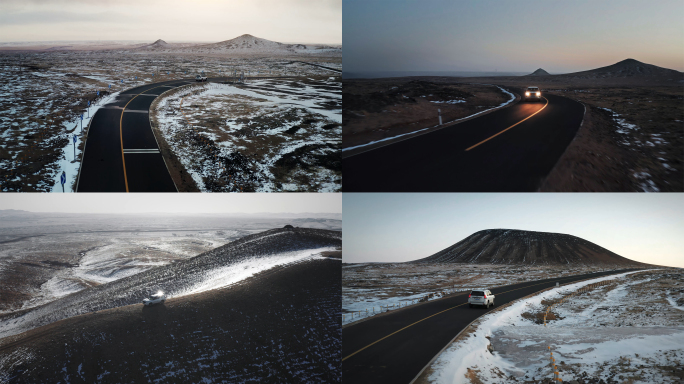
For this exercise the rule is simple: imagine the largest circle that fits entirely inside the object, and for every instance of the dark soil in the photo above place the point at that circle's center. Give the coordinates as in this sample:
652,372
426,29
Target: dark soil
276,327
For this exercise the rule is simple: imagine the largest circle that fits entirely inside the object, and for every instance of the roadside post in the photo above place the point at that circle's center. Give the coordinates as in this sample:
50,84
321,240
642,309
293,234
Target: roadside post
439,113
81,123
74,146
88,109
62,179
98,95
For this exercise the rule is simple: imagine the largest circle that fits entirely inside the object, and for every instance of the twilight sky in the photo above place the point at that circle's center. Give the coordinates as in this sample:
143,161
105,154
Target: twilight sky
190,203
518,36
300,21
393,227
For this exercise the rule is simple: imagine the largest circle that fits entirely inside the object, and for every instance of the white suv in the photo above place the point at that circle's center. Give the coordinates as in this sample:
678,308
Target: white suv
157,298
484,298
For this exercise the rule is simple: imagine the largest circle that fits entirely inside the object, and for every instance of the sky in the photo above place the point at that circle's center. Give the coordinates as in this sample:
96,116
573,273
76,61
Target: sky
404,226
289,21
515,36
187,203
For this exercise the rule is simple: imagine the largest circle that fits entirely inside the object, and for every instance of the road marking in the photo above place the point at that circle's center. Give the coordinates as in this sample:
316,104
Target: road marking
393,333
377,341
491,137
123,160
141,150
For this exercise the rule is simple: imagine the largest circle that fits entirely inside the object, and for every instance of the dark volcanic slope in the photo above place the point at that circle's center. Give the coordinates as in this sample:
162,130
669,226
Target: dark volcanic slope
174,279
628,68
510,246
539,72
277,327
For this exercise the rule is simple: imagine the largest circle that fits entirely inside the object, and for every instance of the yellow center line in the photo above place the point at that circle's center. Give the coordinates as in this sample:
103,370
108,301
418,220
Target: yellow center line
448,309
491,137
123,160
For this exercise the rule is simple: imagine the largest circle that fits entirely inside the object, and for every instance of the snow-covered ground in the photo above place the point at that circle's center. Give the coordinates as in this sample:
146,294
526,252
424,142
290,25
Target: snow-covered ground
223,277
624,331
510,100
266,135
70,159
632,140
372,288
42,95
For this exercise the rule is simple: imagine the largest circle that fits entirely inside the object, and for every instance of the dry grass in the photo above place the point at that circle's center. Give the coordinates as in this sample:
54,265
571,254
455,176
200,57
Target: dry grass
601,159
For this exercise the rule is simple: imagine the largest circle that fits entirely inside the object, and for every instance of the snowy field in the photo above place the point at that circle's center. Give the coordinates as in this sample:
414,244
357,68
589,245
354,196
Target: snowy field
44,257
266,135
372,288
630,330
43,95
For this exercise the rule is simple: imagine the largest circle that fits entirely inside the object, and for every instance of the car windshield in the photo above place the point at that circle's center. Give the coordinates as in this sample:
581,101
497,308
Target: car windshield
477,293
533,89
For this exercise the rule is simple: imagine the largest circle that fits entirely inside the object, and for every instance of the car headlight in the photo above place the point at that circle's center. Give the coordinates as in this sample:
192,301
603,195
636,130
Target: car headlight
538,93
527,93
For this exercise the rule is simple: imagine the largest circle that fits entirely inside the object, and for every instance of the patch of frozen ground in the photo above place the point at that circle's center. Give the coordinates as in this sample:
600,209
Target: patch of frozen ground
70,162
10,360
223,277
674,304
472,353
268,101
456,101
512,98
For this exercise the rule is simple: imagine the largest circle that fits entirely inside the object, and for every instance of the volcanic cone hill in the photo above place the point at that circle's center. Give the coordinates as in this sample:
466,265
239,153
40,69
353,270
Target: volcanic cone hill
539,72
628,68
217,268
510,246
159,44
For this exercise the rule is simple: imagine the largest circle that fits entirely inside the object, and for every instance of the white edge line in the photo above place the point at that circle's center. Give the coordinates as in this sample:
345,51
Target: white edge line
445,125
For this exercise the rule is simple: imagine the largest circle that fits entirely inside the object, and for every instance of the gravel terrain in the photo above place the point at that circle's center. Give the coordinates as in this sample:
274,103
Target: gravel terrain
280,326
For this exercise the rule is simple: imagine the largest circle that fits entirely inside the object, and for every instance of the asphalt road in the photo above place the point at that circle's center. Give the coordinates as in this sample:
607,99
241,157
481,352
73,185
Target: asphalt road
400,356
120,132
444,160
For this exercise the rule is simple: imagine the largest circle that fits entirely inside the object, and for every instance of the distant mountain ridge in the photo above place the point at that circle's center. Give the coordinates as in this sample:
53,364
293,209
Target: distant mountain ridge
628,68
244,45
510,246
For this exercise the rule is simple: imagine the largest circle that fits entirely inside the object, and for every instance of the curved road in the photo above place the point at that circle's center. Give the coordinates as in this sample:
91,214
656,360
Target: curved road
395,346
121,152
513,154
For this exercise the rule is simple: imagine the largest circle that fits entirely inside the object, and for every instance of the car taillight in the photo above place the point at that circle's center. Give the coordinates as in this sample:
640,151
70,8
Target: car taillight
469,295
485,296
